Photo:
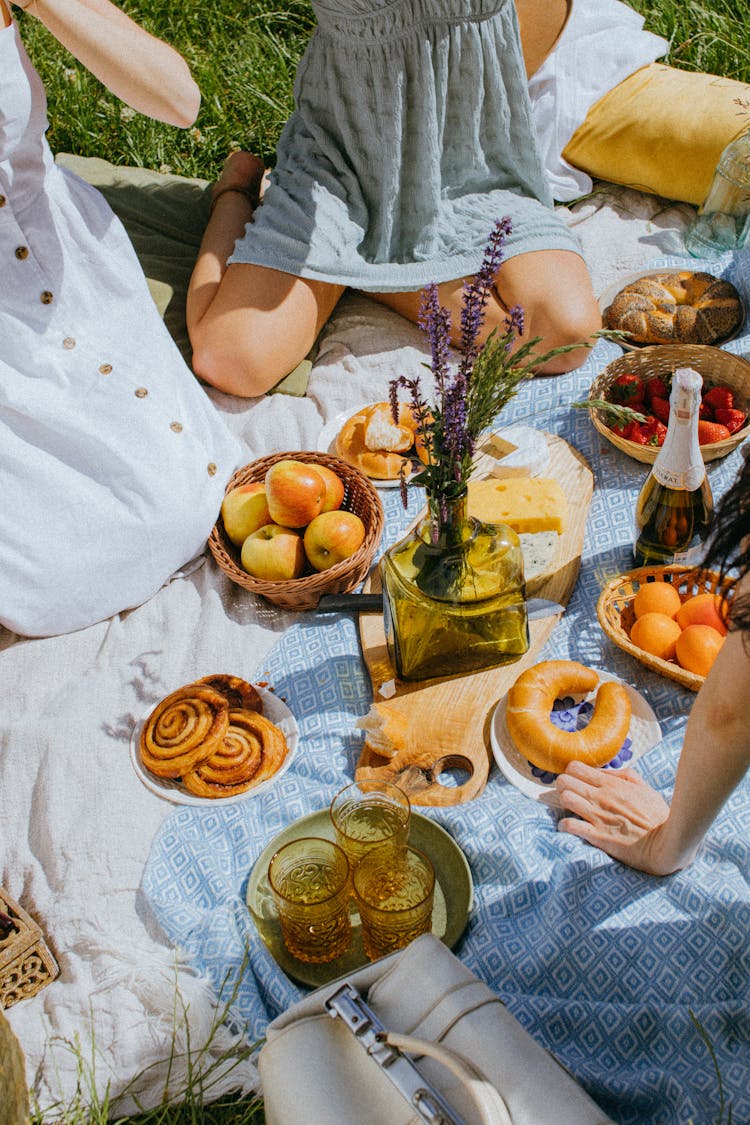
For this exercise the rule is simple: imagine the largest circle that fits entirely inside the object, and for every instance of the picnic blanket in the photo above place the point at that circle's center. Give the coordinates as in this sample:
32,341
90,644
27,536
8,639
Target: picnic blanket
97,858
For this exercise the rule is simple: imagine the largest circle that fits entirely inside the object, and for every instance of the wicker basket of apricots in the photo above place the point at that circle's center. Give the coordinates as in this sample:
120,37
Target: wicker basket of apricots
670,618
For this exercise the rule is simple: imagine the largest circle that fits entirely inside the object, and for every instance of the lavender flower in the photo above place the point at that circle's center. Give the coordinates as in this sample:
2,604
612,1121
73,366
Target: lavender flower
467,399
477,292
435,321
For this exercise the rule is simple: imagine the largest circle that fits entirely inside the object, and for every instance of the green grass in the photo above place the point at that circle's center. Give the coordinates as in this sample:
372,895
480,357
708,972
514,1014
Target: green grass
712,37
243,57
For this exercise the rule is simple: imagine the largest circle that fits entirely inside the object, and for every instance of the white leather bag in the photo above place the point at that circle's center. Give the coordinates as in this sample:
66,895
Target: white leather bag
411,1038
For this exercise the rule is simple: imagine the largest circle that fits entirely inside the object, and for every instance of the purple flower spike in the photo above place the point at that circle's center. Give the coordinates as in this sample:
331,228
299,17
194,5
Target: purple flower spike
515,321
477,293
436,323
468,397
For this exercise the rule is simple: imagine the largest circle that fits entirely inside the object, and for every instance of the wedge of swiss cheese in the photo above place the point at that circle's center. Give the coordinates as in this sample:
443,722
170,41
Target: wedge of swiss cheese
527,504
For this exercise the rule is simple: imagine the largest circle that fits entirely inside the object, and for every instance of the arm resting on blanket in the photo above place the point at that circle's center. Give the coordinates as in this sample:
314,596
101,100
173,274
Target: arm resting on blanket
143,71
622,815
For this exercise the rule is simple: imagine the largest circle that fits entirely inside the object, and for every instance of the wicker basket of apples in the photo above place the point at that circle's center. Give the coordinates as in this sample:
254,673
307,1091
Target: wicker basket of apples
295,526
642,380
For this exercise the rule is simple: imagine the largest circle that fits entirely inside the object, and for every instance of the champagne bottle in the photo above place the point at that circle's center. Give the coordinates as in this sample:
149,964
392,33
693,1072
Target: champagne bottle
674,506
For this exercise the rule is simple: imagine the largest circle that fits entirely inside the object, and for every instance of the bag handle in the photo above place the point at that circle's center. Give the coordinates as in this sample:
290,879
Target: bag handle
488,1102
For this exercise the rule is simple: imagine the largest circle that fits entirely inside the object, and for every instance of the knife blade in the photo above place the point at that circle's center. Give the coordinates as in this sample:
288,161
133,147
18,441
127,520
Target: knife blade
373,603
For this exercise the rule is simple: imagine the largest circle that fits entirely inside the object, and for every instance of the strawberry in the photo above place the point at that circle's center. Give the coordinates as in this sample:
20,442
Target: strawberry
709,432
627,389
622,429
656,388
650,432
660,408
705,411
639,434
719,398
734,420
653,430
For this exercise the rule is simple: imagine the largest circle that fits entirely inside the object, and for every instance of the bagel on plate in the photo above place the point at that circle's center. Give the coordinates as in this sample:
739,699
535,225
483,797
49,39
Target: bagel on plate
529,705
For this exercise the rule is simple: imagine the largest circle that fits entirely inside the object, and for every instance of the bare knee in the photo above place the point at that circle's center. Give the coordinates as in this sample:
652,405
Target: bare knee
565,324
243,367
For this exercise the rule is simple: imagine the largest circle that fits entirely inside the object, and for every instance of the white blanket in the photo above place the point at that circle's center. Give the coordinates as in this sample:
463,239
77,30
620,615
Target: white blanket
77,823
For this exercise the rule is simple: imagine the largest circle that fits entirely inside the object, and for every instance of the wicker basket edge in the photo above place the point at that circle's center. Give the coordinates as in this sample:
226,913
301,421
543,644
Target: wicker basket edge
609,609
304,593
726,367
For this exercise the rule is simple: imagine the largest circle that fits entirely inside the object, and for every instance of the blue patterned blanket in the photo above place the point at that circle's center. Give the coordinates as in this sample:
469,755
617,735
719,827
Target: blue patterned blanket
636,984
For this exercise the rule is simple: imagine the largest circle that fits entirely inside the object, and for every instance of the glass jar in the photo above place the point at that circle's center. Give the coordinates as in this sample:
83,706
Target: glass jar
723,220
453,595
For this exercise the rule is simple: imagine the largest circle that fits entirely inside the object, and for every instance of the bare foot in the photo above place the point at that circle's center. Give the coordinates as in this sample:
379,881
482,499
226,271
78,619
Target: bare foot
243,170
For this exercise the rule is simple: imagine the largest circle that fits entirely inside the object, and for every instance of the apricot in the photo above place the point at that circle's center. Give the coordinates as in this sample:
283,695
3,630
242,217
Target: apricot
657,634
703,609
697,648
656,597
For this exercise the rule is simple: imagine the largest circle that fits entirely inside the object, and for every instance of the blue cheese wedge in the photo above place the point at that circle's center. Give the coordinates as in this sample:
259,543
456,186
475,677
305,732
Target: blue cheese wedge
539,551
516,451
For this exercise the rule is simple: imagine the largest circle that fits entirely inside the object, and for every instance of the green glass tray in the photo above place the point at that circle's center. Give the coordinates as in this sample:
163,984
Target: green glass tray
453,896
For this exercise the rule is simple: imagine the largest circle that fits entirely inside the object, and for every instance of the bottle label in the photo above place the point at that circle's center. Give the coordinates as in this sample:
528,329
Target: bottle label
688,481
691,557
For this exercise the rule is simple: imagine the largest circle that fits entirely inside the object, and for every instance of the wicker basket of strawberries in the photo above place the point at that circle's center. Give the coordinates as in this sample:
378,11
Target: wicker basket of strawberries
640,383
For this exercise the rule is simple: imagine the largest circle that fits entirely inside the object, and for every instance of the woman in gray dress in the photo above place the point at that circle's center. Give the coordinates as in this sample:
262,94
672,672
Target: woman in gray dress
411,135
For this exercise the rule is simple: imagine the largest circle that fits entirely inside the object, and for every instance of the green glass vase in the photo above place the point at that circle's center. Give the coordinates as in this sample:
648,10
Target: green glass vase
453,595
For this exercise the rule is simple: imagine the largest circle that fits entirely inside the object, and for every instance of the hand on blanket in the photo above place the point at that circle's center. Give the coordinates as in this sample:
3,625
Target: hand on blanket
615,811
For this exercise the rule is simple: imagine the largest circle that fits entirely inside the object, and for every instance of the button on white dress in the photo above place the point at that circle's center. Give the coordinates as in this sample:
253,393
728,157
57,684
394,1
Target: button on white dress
113,461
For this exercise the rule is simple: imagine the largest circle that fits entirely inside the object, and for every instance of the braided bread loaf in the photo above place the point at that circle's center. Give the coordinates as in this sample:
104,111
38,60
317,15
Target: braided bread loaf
679,307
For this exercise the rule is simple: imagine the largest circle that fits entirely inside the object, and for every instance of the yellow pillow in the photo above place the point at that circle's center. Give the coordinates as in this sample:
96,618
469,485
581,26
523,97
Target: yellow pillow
662,130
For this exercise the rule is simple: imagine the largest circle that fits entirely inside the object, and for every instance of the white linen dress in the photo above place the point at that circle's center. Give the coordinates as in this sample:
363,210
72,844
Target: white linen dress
113,461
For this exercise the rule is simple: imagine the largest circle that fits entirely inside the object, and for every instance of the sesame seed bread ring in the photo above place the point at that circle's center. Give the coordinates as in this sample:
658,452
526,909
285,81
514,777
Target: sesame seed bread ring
681,306
372,442
239,694
530,701
183,730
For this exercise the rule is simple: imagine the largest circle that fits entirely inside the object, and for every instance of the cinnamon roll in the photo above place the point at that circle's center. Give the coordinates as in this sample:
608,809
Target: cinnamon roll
184,730
252,750
239,694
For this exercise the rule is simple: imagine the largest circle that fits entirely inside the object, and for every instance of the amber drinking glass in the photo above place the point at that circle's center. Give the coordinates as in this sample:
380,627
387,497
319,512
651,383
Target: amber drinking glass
309,879
394,889
370,814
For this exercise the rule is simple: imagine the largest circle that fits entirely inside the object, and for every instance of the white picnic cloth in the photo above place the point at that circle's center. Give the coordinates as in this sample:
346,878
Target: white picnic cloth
77,824
603,42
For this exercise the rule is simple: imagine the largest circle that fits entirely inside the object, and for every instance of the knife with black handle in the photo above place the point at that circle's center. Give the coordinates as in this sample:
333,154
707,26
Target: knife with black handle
373,603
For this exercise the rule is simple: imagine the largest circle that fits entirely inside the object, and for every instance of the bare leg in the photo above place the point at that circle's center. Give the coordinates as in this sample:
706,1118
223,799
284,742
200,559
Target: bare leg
249,325
553,288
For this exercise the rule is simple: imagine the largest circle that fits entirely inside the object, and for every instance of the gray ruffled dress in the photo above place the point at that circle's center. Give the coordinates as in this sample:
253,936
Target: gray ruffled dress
412,132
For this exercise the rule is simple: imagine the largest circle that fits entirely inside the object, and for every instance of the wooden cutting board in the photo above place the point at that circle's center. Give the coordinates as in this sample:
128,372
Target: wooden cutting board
449,718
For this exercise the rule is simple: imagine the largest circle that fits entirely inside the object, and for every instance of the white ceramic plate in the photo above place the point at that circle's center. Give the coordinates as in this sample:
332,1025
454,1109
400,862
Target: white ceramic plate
608,295
173,790
644,733
329,433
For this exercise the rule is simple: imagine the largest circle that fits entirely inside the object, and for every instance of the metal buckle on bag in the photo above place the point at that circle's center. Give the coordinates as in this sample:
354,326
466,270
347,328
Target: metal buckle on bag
347,1005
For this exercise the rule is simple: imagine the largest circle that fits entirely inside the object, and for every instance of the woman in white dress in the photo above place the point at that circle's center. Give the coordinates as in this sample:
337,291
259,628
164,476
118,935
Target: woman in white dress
113,460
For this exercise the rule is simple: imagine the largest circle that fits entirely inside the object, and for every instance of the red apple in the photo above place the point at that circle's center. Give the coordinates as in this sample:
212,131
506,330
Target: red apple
244,509
295,493
274,553
332,537
334,496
